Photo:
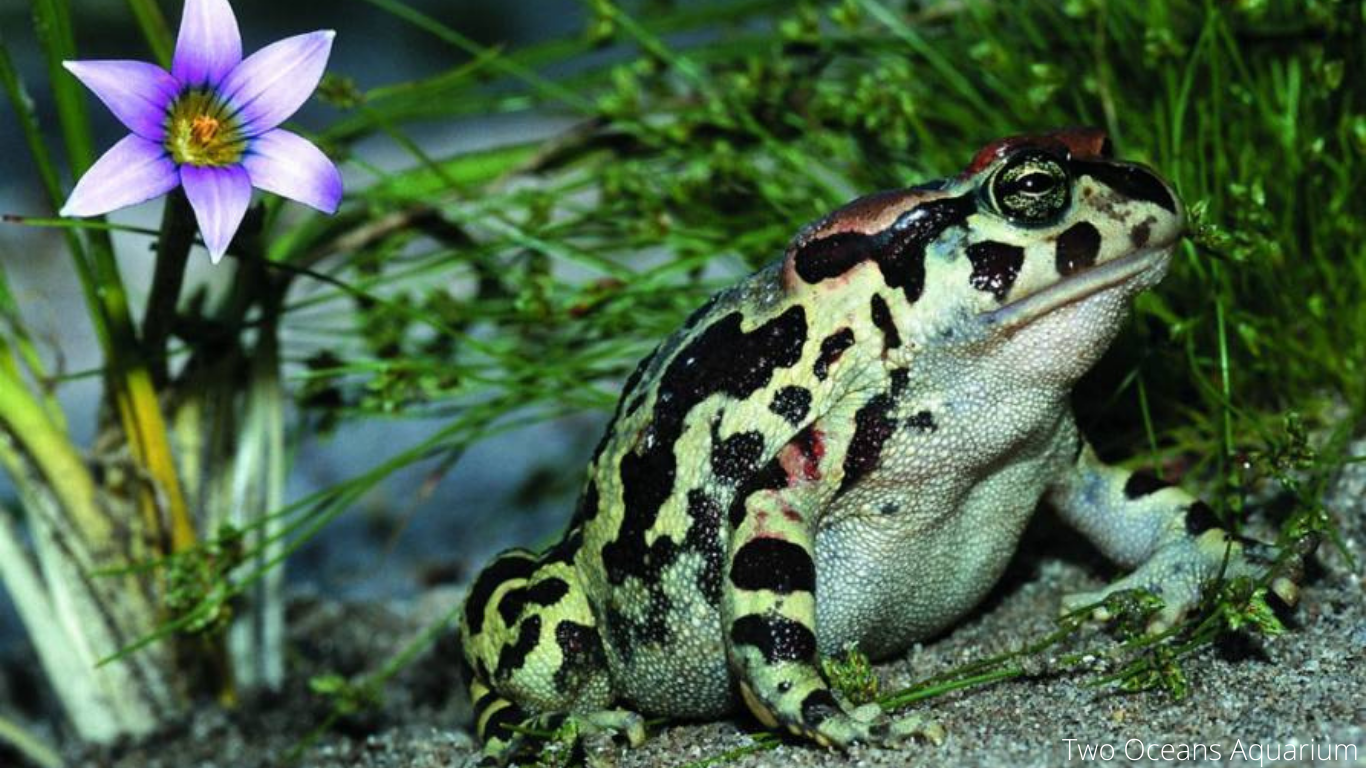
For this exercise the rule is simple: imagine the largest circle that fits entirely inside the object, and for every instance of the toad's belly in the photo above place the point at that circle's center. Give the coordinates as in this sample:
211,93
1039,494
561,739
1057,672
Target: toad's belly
877,585
883,579
887,579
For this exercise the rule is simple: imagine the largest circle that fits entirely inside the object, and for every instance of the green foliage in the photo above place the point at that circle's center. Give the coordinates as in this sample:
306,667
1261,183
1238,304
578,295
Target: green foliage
1243,605
558,751
197,586
852,675
1162,671
715,152
1131,611
346,696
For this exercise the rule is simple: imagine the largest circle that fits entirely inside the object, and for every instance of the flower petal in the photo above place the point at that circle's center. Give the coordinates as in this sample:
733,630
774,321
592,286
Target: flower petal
290,166
132,171
219,197
209,45
271,84
136,92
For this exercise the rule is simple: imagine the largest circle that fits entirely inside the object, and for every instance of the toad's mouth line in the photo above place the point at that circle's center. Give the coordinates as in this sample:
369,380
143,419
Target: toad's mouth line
1080,286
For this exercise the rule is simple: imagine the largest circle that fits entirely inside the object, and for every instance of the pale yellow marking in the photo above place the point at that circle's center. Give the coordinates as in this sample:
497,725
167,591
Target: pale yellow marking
760,711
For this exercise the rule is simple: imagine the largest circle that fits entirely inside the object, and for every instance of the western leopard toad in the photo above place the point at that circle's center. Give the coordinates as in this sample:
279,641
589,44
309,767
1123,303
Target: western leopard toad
844,448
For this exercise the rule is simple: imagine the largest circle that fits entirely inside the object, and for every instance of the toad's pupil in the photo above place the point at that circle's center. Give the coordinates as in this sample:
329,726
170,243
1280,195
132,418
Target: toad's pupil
1037,183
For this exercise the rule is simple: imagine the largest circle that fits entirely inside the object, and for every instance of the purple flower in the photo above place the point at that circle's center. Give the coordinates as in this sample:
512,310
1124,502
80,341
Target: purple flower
209,125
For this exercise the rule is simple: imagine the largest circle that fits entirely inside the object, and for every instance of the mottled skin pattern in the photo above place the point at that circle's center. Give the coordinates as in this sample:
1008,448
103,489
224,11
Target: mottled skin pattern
844,448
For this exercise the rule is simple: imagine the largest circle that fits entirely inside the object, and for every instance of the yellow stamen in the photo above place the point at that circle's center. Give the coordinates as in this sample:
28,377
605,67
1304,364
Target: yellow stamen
204,128
200,131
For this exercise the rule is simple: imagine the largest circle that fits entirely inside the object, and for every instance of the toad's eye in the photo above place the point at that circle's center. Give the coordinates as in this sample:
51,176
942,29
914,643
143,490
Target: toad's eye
1031,189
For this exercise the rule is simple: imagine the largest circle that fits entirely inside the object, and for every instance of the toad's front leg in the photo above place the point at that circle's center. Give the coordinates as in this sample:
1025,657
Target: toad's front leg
1173,541
769,608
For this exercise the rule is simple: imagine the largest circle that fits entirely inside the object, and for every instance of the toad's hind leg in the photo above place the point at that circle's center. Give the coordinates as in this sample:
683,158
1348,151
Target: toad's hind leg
532,643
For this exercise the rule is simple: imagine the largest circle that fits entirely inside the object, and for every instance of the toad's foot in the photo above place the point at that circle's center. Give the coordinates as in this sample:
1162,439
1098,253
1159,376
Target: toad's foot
869,724
1179,573
558,732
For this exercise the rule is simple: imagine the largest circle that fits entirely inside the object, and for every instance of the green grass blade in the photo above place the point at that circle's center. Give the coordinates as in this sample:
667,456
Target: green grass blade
27,114
29,745
52,22
154,29
546,87
47,172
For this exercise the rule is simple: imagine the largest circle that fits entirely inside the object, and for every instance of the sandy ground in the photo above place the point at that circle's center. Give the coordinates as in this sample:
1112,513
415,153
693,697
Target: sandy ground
1247,702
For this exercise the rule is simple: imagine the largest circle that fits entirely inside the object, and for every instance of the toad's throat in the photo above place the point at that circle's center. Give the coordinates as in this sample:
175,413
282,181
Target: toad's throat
1145,266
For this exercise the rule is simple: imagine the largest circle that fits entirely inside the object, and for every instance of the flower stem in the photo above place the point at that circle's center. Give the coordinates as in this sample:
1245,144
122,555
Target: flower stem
54,457
130,382
28,744
173,251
